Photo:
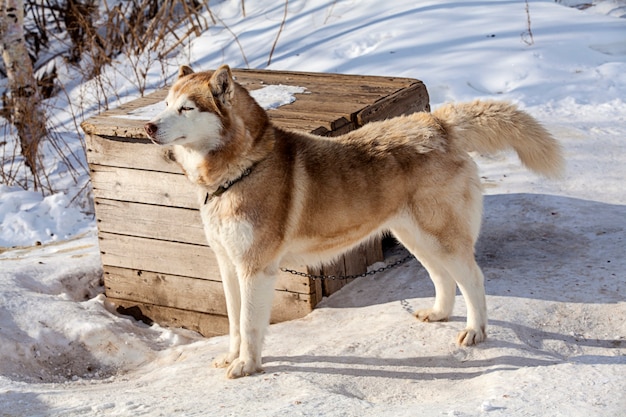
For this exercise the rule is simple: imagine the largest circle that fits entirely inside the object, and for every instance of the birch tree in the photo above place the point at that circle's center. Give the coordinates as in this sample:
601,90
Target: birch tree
24,100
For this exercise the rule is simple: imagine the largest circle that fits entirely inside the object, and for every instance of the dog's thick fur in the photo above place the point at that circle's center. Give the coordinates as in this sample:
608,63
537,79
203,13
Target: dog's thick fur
309,198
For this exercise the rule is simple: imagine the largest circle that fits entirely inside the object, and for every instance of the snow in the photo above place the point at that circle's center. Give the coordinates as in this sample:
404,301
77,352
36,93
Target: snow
29,218
274,96
552,251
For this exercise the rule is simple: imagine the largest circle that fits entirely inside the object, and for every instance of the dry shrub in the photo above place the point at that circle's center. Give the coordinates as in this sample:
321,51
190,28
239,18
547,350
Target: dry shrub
144,31
89,35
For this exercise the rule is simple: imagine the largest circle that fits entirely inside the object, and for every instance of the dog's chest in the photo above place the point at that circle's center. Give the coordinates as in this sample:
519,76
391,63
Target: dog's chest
221,226
190,161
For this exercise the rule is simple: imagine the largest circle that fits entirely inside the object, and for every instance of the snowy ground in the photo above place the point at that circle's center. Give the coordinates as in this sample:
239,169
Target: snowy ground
552,251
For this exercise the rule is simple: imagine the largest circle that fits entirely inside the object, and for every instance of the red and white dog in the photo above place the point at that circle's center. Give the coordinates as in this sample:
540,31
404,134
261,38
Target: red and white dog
268,195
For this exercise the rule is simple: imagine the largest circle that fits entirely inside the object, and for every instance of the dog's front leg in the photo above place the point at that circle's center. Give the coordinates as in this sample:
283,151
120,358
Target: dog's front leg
257,293
232,292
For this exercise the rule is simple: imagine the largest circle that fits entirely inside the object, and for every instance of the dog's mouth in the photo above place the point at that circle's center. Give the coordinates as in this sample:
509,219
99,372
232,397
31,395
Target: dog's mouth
156,141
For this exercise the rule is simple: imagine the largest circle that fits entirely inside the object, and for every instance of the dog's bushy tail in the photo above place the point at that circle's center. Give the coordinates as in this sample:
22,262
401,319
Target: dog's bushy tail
493,126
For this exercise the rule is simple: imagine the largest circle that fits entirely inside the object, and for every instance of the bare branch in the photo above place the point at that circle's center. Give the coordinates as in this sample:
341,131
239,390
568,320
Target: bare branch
280,29
527,36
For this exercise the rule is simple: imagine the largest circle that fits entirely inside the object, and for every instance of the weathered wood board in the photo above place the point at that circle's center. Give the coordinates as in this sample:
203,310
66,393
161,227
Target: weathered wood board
157,264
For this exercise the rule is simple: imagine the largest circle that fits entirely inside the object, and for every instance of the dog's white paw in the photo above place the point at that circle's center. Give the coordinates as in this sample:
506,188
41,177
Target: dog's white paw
240,368
224,360
469,337
429,314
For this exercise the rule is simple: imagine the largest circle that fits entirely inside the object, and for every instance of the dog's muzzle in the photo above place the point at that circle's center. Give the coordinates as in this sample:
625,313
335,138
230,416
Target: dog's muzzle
151,130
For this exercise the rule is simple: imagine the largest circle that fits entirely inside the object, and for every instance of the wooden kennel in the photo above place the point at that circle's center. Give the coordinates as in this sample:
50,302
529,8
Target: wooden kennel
157,264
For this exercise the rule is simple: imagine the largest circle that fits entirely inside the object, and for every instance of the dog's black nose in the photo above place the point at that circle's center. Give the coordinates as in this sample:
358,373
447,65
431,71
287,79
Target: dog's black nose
151,129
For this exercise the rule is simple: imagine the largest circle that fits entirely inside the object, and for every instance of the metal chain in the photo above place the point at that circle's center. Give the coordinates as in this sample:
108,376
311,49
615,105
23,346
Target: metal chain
335,277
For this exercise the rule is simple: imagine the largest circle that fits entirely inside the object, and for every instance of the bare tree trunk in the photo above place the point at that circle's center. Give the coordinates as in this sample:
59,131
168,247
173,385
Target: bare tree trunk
25,101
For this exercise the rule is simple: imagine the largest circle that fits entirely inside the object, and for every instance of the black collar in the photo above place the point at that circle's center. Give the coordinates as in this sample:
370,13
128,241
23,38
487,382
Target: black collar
223,188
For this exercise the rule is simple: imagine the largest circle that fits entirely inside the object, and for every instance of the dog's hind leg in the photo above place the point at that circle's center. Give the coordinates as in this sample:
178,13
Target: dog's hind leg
470,280
445,291
257,293
445,286
447,270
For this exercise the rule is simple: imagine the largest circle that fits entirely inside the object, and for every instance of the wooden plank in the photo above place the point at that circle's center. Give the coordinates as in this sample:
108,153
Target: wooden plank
341,130
111,151
320,79
166,257
300,125
321,108
409,100
106,125
316,290
337,268
207,325
374,251
175,258
355,261
187,293
149,187
324,108
309,118
150,221
193,294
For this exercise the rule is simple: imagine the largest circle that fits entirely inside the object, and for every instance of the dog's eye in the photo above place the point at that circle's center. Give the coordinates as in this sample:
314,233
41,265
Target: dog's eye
183,108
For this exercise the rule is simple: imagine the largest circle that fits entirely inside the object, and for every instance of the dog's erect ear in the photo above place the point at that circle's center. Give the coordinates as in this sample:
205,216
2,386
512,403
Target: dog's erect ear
184,70
222,84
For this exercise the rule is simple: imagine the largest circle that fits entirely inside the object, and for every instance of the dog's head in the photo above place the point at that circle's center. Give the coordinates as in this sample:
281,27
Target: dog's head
198,108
